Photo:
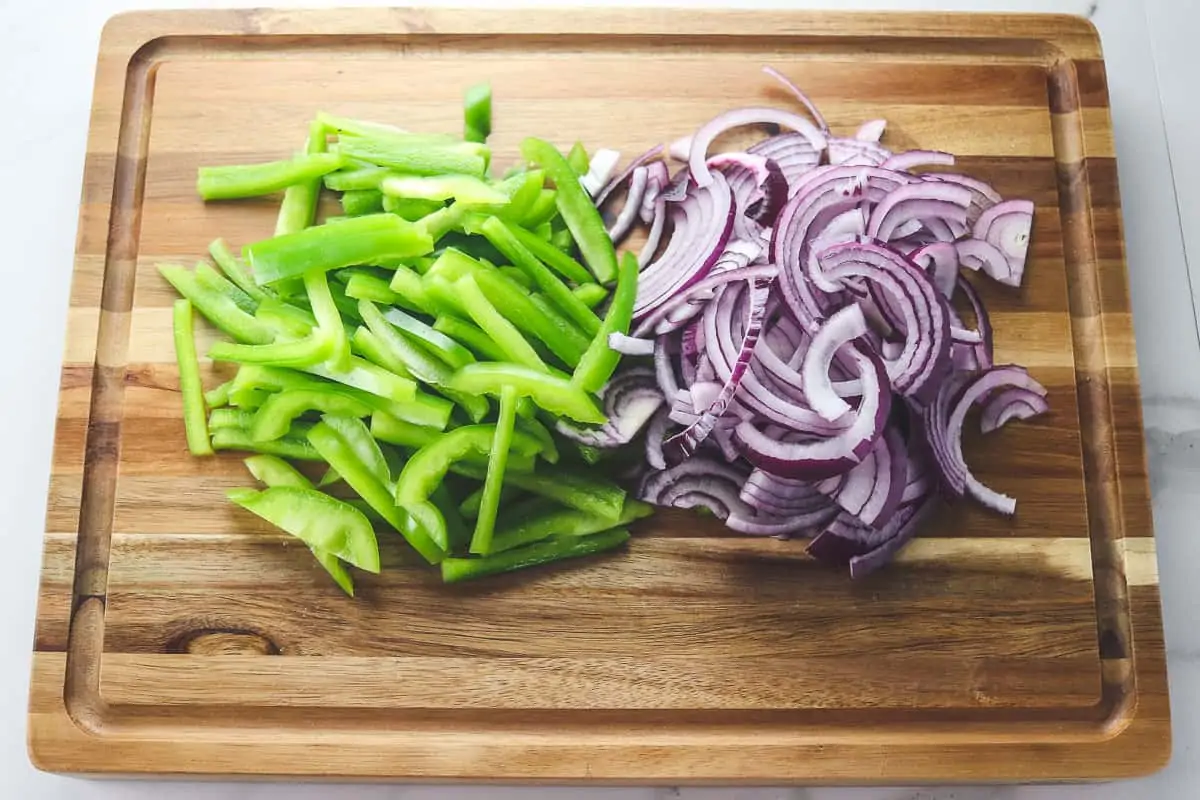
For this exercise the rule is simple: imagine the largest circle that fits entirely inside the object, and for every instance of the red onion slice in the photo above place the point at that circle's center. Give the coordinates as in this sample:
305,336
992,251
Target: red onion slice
840,329
793,152
633,204
940,260
918,158
1007,227
630,400
926,318
822,458
683,444
698,483
1010,404
737,118
629,345
703,224
926,201
650,157
794,90
854,152
871,131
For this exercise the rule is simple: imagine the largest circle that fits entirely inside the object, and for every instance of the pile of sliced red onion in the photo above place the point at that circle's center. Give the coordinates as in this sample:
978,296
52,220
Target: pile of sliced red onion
811,371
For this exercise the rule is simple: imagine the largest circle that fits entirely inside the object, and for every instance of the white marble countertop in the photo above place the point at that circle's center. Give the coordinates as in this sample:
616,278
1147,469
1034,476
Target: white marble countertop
47,55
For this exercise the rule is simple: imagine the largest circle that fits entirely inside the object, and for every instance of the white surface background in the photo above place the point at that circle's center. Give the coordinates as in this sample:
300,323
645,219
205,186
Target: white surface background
47,55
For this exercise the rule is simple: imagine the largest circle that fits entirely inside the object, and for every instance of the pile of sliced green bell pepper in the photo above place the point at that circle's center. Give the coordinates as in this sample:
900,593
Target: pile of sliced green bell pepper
403,364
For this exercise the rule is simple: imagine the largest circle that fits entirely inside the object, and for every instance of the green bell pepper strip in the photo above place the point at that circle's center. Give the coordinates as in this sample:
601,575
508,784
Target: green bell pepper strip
361,240
377,290
518,277
330,477
373,351
370,378
407,285
235,270
457,532
273,471
230,418
563,340
601,498
542,210
276,415
462,569
551,256
387,428
423,409
341,456
590,294
357,435
564,522
561,238
357,202
534,427
379,273
576,208
551,392
397,348
527,190
299,206
252,180
209,278
247,399
527,507
453,264
441,345
360,127
504,293
502,332
195,423
318,520
287,447
346,306
469,507
489,505
285,319
501,235
329,320
299,353
477,113
438,224
218,308
413,157
470,336
462,189
427,468
333,565
578,159
526,408
215,398
568,328
545,232
357,179
600,360
412,209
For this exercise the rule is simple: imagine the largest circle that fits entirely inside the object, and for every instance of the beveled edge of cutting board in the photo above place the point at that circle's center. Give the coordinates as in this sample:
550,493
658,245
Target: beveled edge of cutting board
72,730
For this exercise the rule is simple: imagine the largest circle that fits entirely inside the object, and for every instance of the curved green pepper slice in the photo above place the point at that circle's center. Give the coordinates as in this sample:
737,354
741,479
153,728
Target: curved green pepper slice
553,393
316,519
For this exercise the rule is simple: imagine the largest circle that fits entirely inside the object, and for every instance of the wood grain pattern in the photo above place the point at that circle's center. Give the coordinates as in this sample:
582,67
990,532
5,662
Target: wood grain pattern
177,635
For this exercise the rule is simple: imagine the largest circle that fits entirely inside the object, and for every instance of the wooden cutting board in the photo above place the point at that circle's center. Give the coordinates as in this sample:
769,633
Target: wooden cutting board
175,635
